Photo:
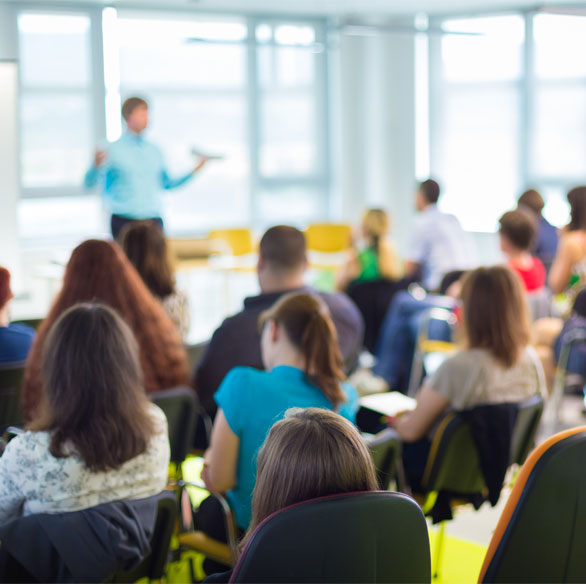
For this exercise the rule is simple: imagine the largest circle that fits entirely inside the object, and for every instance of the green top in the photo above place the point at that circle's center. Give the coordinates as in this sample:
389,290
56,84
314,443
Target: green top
369,268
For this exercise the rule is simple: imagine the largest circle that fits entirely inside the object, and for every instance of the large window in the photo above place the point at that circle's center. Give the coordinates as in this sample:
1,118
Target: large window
291,123
558,121
56,99
250,90
475,108
508,112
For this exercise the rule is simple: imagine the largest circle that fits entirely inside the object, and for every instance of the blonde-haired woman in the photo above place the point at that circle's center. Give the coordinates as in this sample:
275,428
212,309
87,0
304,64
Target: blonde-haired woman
376,258
496,365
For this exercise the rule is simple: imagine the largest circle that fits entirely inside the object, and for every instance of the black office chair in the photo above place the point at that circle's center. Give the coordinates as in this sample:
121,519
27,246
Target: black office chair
356,537
541,532
153,566
11,375
373,300
182,409
453,474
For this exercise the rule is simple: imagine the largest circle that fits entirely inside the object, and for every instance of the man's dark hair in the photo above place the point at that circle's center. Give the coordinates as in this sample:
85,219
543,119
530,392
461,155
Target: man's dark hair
131,104
519,228
430,190
283,247
533,200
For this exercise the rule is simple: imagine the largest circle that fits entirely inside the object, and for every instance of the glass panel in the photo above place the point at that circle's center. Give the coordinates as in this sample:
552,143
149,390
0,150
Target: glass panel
556,210
286,66
490,50
288,34
213,124
289,135
293,205
560,44
54,50
159,53
479,155
559,148
61,216
56,139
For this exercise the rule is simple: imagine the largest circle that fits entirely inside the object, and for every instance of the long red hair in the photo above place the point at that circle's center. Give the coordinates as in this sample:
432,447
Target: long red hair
98,271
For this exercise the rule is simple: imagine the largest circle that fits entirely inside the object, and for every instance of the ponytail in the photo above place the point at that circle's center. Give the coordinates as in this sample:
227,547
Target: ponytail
309,327
323,362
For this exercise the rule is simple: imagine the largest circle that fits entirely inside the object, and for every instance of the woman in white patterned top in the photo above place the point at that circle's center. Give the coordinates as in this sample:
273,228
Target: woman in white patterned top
98,438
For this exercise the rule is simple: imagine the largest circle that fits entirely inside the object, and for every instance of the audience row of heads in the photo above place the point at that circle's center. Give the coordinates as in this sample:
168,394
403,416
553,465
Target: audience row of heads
94,398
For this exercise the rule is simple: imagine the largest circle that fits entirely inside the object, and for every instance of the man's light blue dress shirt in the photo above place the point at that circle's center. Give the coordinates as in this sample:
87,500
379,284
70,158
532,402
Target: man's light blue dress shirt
132,178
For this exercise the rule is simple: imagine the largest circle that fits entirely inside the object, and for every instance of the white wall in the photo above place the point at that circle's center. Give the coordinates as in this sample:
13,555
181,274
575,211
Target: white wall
9,182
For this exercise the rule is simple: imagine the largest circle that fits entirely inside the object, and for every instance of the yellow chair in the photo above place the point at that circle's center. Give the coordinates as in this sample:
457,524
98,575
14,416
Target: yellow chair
328,237
239,240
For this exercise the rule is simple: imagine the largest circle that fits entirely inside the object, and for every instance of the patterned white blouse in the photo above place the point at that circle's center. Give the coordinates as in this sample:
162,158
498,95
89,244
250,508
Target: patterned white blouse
32,480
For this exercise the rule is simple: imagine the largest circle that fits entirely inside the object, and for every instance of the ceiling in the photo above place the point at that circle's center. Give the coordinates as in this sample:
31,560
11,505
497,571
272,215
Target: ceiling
339,7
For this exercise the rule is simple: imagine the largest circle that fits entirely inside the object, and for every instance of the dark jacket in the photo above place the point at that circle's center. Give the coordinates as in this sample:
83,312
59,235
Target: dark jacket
492,428
90,545
237,341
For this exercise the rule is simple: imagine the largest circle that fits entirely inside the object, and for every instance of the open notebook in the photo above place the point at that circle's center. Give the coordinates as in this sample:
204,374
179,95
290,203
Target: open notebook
388,404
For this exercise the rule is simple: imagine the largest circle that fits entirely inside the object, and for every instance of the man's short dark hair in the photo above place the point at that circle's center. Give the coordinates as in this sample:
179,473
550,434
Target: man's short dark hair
283,247
519,228
533,200
131,104
430,190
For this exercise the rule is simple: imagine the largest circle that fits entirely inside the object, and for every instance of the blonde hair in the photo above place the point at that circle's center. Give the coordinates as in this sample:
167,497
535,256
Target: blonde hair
308,325
375,223
310,453
495,315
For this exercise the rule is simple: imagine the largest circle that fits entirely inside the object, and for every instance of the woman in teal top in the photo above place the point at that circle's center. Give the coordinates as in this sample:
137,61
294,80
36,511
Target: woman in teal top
303,369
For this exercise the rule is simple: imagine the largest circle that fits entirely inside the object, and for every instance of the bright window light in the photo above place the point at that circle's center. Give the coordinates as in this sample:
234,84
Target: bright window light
287,34
560,44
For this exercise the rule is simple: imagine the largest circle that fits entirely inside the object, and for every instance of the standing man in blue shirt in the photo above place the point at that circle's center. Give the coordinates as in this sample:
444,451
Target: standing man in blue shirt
133,172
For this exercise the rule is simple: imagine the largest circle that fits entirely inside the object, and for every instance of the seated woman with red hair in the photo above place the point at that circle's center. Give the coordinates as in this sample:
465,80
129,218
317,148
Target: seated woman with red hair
98,271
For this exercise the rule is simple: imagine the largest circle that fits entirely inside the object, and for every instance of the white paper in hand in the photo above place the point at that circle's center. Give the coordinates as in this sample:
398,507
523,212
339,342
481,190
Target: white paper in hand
388,404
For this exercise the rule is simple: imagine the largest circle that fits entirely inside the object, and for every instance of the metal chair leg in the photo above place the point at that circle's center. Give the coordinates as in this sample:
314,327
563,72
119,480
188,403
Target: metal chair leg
439,548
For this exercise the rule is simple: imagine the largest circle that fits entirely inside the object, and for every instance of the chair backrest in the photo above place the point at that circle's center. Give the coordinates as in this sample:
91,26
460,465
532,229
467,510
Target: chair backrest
385,450
180,405
328,237
357,537
527,420
238,240
453,463
11,375
373,300
153,566
541,532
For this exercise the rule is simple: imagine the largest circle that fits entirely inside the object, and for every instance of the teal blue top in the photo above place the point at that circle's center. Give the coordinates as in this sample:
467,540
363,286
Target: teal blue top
132,177
252,402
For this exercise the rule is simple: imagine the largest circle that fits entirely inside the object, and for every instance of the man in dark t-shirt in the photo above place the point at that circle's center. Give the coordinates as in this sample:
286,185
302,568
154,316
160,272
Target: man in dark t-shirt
281,266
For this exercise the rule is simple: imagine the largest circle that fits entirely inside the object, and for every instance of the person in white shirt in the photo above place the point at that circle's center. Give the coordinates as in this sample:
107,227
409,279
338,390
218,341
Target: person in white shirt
439,244
98,438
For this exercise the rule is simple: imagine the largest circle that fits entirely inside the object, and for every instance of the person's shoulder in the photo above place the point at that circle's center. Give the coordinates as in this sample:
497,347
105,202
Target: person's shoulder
20,329
464,361
158,416
240,376
30,445
337,302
